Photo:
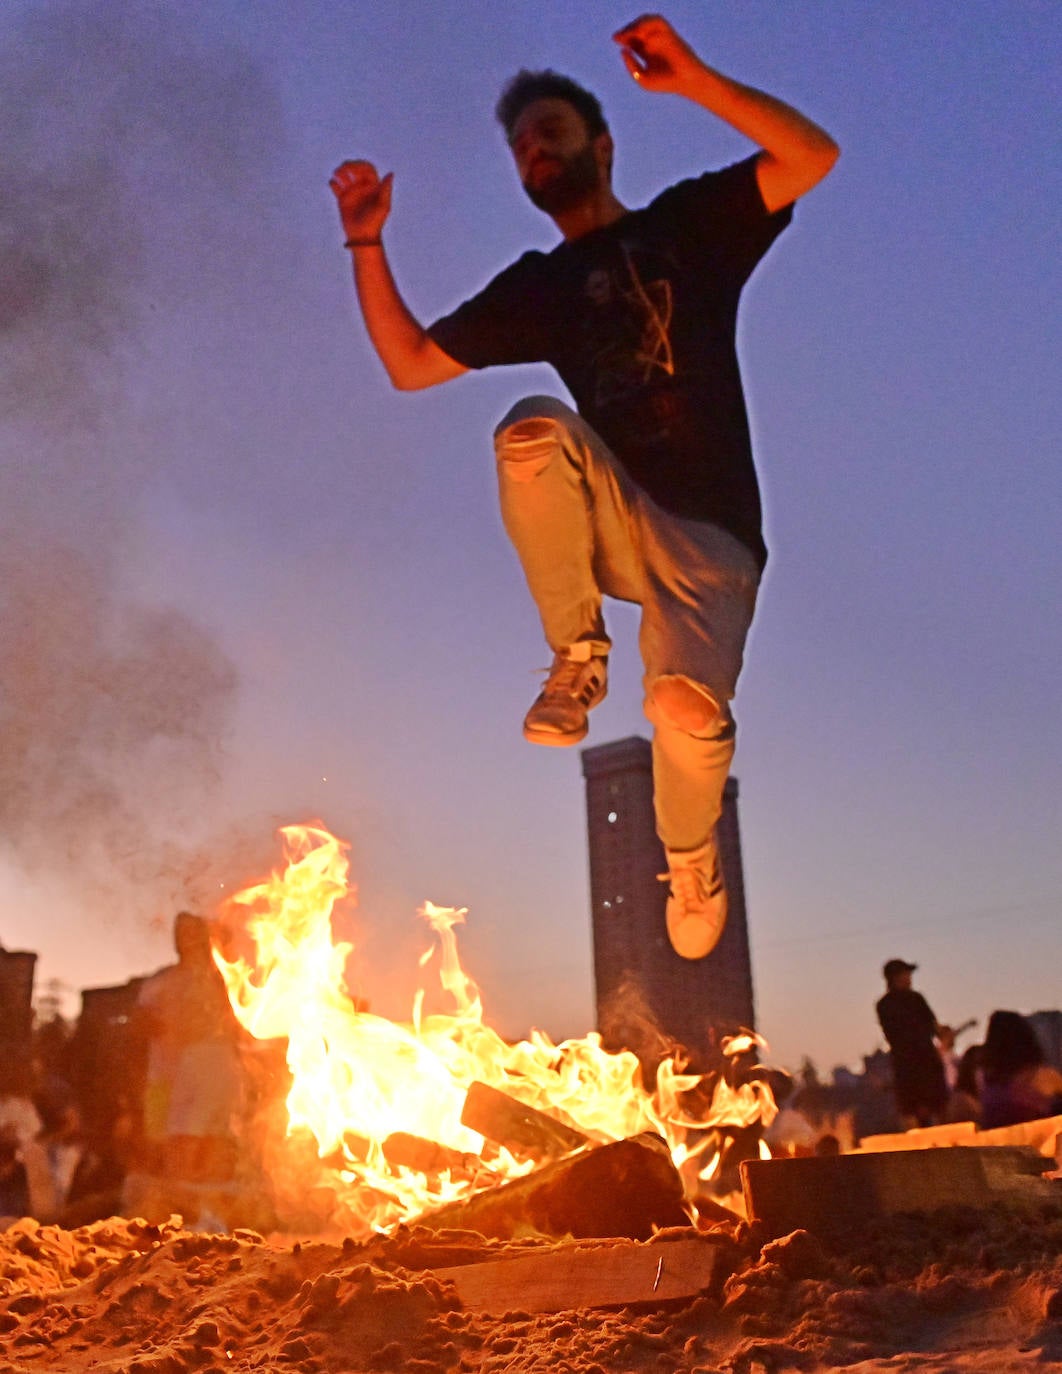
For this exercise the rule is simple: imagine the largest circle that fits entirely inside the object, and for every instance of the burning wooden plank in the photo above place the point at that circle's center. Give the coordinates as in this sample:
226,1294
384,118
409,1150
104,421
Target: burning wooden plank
406,1151
523,1130
625,1188
356,1082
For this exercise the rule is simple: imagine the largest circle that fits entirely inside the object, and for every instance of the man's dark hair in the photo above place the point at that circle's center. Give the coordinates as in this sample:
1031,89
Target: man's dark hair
526,87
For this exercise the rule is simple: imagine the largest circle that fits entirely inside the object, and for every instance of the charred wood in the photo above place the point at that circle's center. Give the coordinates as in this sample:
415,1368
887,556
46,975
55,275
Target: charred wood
625,1188
523,1130
405,1151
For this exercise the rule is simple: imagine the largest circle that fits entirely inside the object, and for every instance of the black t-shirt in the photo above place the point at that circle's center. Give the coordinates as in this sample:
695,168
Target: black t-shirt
917,1068
639,318
908,1022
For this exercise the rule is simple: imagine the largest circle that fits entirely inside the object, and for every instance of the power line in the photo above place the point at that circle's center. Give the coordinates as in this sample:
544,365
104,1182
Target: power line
922,923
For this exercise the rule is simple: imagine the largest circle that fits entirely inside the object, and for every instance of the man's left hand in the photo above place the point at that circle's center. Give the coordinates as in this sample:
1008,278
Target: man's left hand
656,57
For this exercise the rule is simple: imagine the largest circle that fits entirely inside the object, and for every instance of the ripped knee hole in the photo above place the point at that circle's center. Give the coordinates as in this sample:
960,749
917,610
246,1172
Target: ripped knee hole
531,429
686,704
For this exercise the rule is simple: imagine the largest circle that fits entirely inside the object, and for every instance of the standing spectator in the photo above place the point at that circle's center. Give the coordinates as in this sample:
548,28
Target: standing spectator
194,1084
912,1032
95,1190
1016,1083
19,1127
964,1100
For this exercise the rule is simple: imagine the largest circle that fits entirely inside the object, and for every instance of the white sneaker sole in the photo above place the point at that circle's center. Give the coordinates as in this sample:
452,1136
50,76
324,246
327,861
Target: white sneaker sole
695,938
554,738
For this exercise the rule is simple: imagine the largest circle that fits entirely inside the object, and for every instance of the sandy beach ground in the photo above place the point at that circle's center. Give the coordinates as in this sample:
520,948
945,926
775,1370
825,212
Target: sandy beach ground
960,1290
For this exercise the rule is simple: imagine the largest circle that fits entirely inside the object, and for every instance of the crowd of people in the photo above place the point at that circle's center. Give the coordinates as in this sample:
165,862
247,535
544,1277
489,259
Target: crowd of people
57,1161
921,1080
171,1093
159,1088
1004,1081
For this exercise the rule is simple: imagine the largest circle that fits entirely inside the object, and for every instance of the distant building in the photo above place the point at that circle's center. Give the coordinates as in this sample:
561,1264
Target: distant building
107,1055
16,1000
648,998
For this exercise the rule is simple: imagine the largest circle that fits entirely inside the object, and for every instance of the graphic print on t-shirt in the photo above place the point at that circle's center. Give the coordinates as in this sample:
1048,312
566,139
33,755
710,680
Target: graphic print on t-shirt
638,319
628,329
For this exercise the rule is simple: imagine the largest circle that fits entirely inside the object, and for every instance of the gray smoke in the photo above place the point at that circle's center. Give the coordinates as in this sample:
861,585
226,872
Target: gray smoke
113,122
627,1021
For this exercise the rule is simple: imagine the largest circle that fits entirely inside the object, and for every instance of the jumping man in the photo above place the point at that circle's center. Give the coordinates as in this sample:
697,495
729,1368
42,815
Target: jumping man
646,492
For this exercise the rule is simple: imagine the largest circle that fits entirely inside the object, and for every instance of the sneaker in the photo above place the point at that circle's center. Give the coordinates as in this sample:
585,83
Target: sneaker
696,904
572,689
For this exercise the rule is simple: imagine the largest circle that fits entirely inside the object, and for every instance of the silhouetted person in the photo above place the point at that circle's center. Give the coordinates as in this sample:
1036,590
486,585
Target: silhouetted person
19,1127
964,1100
95,1189
1016,1084
874,1108
911,1030
194,1083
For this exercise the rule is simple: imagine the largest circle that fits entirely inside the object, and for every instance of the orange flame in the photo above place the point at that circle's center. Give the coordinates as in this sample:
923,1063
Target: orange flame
358,1078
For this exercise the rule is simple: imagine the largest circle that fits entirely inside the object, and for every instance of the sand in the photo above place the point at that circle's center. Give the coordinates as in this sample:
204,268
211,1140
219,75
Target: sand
961,1290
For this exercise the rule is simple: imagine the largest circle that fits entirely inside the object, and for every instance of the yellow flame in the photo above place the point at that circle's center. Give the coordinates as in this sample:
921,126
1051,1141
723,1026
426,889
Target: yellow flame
358,1078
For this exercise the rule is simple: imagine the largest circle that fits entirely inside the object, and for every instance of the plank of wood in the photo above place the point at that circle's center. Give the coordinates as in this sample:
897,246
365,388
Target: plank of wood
921,1138
524,1130
625,1188
404,1150
828,1193
569,1277
1044,1135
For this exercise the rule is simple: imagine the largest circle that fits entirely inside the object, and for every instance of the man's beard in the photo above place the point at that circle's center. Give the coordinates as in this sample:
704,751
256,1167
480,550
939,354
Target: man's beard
575,181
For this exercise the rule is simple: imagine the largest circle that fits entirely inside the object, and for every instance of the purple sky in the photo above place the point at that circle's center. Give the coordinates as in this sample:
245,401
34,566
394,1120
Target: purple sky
245,583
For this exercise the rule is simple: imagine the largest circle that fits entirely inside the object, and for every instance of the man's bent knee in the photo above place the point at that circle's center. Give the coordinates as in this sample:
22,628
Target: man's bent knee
549,409
528,431
687,706
527,446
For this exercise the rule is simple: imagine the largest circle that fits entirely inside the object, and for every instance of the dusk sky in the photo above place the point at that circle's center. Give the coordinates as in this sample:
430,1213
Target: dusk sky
244,583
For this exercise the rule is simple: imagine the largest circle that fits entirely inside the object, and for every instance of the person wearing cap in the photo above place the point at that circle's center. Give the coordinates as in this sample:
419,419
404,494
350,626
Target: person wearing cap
912,1032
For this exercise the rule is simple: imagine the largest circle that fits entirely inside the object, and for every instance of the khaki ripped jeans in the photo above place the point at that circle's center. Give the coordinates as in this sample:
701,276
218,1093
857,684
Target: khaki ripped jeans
582,530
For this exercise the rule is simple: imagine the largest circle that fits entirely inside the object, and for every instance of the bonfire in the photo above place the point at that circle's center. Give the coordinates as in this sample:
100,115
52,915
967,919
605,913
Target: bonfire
408,1279
397,1112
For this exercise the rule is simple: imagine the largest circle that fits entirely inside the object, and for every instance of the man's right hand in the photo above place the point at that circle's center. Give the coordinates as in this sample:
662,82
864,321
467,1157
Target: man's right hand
406,350
364,199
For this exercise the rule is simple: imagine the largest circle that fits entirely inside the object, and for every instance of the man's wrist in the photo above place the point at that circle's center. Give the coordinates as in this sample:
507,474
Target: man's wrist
376,242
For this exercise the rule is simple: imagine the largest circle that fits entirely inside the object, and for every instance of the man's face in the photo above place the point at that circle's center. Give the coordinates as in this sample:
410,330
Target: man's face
558,162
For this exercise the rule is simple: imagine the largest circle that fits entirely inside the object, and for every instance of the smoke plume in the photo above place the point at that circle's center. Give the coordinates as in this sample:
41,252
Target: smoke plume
117,127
